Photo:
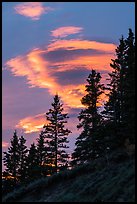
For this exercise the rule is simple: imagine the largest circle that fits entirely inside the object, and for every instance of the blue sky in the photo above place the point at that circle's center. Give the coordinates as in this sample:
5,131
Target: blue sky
101,20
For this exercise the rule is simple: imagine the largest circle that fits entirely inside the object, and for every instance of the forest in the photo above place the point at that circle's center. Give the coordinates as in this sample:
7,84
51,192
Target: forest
103,130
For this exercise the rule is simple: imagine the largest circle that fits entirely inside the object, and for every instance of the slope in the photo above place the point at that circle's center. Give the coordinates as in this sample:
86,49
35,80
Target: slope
94,182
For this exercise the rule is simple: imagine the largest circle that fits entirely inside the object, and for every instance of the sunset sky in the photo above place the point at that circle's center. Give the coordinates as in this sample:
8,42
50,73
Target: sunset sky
50,48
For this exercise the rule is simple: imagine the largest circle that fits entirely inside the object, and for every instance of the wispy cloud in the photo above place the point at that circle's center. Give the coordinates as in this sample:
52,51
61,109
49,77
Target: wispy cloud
32,10
65,31
32,123
67,76
35,123
44,73
74,44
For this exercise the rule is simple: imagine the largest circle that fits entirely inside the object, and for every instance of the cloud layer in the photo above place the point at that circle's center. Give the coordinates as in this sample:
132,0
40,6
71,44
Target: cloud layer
62,67
43,72
32,123
65,31
35,123
32,10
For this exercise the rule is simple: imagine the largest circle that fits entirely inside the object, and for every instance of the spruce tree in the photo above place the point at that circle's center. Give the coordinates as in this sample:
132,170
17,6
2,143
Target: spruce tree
42,154
118,109
12,158
32,163
56,135
23,157
129,107
114,106
88,144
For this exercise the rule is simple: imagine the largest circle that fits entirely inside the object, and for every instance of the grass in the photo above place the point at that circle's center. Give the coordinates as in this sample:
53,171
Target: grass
92,182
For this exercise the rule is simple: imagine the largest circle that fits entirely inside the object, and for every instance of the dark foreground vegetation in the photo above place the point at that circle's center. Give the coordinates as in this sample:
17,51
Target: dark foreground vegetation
93,182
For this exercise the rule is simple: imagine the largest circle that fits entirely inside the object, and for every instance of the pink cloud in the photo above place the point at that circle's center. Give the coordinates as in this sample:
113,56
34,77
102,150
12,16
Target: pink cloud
32,10
35,123
74,44
5,144
65,31
32,123
36,67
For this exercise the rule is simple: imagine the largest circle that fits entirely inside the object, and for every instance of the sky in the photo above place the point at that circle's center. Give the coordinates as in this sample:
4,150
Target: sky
49,48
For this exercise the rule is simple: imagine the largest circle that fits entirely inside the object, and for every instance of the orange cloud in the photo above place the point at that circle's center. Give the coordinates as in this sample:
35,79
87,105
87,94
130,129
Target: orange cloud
42,72
5,144
32,123
54,66
74,44
98,62
33,67
32,10
65,31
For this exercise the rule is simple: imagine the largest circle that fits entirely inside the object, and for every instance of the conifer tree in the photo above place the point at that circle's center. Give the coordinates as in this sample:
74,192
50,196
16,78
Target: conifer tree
56,135
23,156
12,158
118,108
42,154
129,108
114,106
88,144
32,163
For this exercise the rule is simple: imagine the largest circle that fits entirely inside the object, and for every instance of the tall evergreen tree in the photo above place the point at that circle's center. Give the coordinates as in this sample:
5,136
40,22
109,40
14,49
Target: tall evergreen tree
129,107
32,163
56,135
88,144
118,108
42,154
23,157
12,158
114,106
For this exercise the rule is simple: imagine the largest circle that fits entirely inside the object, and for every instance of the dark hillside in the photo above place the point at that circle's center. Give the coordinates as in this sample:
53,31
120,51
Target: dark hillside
93,182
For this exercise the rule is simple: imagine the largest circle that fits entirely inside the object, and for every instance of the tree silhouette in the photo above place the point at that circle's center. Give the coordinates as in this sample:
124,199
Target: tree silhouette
114,106
23,157
118,109
88,145
12,158
56,135
32,163
42,154
129,107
